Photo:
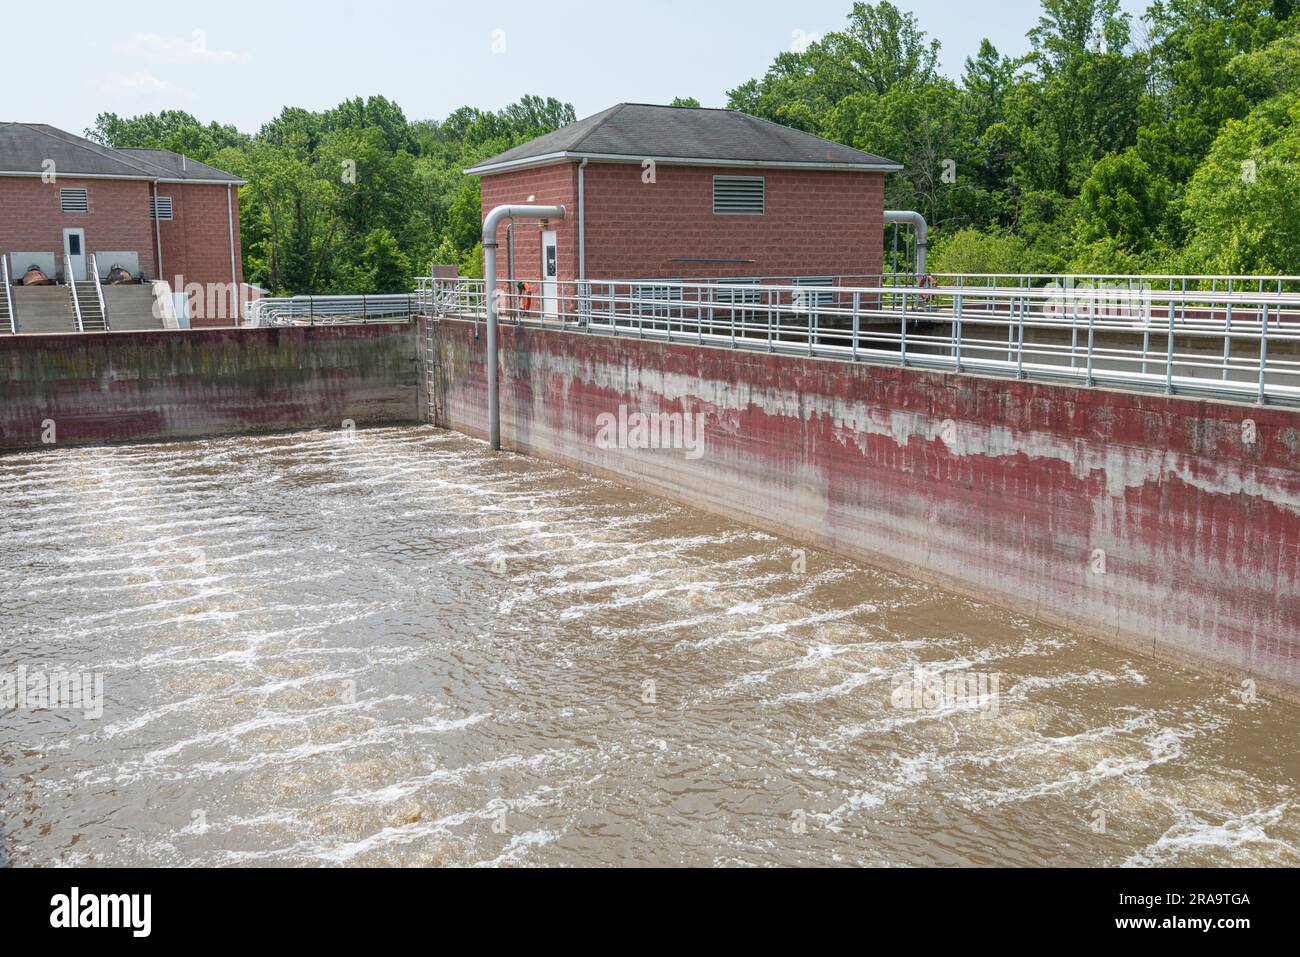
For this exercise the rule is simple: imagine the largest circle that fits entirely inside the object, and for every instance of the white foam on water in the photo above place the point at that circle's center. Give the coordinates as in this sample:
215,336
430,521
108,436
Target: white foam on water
369,560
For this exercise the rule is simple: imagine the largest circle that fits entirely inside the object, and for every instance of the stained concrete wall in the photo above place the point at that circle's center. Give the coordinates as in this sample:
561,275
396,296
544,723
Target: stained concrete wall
1165,525
165,385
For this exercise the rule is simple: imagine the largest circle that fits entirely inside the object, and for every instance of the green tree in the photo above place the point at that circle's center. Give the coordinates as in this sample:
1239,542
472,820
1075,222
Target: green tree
976,252
1123,200
1240,207
383,267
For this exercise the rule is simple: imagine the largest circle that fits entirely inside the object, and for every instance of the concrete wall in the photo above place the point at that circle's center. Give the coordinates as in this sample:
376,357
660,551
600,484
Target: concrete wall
147,386
1164,525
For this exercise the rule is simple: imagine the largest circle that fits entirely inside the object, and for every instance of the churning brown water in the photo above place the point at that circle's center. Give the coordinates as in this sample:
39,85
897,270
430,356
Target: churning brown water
397,649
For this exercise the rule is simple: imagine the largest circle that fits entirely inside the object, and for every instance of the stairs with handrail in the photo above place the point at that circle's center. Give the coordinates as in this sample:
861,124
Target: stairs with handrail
8,318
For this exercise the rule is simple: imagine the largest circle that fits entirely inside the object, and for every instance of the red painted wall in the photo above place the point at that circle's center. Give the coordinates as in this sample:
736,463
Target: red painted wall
31,220
1012,492
817,222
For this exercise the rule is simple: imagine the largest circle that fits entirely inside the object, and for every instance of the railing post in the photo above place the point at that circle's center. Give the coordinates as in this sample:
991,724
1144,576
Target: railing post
1092,321
1020,350
1227,343
699,314
1074,334
957,331
812,322
1146,333
1263,355
903,338
1169,354
770,346
731,312
857,322
1011,329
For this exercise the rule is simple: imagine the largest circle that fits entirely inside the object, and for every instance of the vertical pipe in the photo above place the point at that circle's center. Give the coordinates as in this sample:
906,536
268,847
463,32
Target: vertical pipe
234,272
157,232
489,292
490,245
582,221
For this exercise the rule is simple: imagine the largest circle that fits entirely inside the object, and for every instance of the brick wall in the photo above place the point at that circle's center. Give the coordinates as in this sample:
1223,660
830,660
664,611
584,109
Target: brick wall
196,249
550,186
817,222
31,220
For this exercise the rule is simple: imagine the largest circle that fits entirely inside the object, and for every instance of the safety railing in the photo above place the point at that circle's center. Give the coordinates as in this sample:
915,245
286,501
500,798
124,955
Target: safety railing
1239,345
71,280
1165,282
99,290
331,310
9,293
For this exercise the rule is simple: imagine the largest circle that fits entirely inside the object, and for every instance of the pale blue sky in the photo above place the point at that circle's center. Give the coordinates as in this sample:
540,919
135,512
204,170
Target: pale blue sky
243,65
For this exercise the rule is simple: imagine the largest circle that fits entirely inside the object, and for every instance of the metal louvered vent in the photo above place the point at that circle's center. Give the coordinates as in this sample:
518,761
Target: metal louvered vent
74,200
739,195
160,208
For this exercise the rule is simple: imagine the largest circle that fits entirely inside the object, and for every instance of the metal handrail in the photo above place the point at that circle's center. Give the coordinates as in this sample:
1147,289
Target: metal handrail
9,292
71,280
332,310
1136,338
99,291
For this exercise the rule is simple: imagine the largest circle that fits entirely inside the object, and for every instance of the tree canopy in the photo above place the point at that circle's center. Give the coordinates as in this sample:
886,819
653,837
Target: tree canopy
1109,146
355,199
1167,144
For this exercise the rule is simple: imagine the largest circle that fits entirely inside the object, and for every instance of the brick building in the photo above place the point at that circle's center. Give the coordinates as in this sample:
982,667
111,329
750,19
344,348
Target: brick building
666,192
159,215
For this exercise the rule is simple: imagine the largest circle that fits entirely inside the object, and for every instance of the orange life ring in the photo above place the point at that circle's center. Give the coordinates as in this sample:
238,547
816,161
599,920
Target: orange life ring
526,303
929,282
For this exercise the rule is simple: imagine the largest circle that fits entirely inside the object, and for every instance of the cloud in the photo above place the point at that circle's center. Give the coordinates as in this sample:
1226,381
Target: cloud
143,83
183,50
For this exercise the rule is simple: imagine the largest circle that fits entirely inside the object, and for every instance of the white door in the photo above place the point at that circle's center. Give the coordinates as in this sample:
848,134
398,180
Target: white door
550,275
74,254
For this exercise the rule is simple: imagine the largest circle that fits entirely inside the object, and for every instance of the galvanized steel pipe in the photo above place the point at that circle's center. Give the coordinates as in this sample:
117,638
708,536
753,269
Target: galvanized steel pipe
490,244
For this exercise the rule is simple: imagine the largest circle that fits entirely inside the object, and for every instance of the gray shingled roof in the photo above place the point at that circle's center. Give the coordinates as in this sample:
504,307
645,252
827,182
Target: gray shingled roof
180,167
25,148
638,131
